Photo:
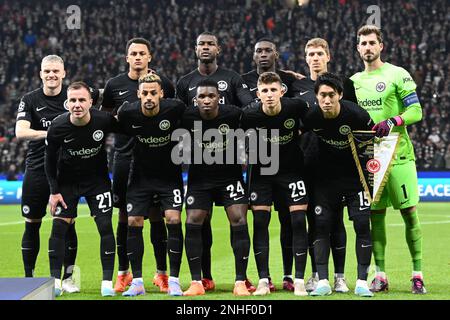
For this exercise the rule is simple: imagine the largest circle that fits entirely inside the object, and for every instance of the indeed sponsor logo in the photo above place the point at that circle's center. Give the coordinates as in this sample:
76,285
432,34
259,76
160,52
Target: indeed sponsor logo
370,103
85,152
154,141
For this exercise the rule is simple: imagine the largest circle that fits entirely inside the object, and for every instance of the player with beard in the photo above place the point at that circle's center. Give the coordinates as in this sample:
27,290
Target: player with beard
151,121
118,90
388,93
232,91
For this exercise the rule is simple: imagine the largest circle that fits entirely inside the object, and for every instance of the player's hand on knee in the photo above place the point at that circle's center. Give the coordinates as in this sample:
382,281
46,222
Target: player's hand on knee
56,199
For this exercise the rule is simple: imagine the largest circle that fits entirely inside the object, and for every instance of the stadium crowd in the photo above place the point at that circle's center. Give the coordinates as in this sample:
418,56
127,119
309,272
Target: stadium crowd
415,37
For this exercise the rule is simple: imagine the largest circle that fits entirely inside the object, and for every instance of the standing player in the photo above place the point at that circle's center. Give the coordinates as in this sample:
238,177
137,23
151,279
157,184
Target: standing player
276,113
232,91
265,57
317,57
35,112
215,182
388,93
336,182
151,120
76,166
118,90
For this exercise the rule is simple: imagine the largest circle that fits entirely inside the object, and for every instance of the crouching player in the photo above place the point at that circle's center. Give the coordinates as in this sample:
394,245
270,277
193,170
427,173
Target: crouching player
218,181
336,179
76,166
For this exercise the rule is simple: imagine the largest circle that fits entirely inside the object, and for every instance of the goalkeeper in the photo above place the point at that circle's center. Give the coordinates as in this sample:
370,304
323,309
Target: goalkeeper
388,93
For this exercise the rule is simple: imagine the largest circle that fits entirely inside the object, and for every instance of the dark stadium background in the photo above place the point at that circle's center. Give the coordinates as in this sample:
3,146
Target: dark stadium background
416,37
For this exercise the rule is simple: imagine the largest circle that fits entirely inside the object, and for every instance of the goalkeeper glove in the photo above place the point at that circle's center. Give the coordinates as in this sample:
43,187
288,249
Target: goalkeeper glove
384,127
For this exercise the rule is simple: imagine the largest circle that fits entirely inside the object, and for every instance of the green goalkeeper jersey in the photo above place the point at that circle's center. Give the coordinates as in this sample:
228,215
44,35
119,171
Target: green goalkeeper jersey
387,92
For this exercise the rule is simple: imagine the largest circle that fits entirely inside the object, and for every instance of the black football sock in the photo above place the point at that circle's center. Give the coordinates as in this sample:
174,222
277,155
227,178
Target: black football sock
261,220
122,231
338,242
56,247
135,250
300,242
311,238
361,225
207,244
286,240
158,237
175,248
30,247
71,251
107,245
193,241
322,253
241,250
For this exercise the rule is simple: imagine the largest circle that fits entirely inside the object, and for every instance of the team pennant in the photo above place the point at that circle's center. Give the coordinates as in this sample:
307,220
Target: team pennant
373,157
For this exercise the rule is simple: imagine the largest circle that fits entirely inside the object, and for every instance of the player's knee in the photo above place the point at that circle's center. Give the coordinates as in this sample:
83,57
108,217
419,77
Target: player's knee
408,210
173,219
194,219
33,220
381,211
123,216
238,220
59,229
135,221
361,225
322,228
104,225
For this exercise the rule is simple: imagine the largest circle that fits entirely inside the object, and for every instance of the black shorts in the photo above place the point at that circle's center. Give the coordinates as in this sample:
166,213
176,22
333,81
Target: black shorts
143,190
225,193
121,171
96,192
290,186
35,194
331,196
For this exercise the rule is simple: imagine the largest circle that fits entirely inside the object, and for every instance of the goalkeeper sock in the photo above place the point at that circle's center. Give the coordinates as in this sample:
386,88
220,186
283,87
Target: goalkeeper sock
413,234
379,239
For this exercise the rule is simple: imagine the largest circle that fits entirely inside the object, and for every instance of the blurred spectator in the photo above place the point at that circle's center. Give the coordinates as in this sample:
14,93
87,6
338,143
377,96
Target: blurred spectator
11,174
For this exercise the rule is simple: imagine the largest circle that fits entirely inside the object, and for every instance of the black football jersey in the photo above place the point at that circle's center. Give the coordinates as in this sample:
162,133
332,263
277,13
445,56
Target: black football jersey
290,83
40,110
308,140
75,153
287,122
121,89
334,157
153,144
232,89
227,119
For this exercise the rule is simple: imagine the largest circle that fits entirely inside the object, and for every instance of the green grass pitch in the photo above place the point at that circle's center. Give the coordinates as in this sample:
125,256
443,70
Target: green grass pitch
435,218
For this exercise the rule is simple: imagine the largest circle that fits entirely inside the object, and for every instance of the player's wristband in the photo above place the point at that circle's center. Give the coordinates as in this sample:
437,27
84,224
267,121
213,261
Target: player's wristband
397,120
